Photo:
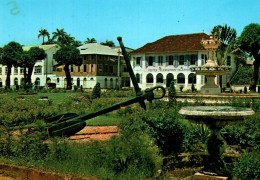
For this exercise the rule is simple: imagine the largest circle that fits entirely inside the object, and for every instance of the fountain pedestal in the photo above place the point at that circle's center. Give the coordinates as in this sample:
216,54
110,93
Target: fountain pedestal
216,117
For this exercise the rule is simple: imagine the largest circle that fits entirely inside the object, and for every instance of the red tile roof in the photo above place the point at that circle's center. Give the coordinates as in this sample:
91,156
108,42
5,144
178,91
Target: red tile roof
174,43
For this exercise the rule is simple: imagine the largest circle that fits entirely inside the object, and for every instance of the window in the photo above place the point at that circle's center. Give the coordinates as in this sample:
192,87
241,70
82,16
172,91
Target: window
181,60
229,61
37,82
38,70
171,60
71,68
150,61
149,78
137,78
0,70
193,59
58,80
111,69
192,78
159,78
160,60
106,68
6,70
21,70
92,68
78,68
181,78
16,70
85,68
138,61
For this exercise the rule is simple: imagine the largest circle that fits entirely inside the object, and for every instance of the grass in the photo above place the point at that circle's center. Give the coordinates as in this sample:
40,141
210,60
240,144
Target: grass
105,120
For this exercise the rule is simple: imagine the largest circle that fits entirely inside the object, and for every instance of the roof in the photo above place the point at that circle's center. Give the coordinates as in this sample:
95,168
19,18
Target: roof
95,48
44,47
175,43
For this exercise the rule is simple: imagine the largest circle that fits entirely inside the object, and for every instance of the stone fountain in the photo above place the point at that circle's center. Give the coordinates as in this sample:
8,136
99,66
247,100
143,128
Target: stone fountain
211,69
215,117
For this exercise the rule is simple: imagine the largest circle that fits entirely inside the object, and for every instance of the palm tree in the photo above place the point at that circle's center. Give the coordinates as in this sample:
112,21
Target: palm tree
43,33
88,40
60,35
108,43
227,38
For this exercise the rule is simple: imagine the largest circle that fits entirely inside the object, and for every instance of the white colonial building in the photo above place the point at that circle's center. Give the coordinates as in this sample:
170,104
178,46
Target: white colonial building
170,58
42,72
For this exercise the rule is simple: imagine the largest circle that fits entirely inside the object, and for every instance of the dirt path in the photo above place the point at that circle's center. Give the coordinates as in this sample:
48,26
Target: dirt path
95,133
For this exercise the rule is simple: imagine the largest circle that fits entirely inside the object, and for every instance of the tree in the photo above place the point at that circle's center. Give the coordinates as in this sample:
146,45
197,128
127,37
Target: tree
88,40
35,53
60,35
172,94
44,33
249,41
23,62
108,43
11,53
227,38
96,91
68,55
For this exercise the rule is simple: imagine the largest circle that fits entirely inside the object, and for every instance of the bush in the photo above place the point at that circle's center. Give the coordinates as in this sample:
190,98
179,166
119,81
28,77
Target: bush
181,88
172,94
248,167
245,89
96,91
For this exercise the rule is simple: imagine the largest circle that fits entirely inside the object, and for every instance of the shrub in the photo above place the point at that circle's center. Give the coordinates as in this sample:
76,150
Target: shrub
96,91
181,88
248,167
193,88
172,94
245,89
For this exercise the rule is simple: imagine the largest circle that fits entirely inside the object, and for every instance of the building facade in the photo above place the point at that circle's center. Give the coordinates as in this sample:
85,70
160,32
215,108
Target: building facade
170,58
99,64
43,69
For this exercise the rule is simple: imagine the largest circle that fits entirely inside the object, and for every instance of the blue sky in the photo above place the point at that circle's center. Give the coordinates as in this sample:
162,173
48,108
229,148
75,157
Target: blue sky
137,21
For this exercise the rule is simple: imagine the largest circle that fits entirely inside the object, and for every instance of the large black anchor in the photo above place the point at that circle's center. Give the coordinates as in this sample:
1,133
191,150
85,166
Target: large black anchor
71,123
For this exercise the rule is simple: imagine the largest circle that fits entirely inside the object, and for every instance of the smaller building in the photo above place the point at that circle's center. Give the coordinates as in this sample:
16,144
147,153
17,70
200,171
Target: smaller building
99,64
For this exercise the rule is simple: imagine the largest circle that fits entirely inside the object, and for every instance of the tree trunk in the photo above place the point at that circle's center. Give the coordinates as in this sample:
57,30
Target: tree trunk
68,77
29,75
220,83
256,72
25,75
7,81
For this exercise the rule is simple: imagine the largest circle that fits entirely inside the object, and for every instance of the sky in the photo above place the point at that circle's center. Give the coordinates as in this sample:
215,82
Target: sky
137,21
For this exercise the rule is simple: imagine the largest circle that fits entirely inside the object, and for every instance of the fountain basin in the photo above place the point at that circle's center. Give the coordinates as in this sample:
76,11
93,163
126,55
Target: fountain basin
217,115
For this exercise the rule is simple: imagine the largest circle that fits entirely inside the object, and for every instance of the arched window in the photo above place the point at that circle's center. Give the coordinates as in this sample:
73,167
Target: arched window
111,83
48,80
159,78
85,83
181,78
105,83
58,80
1,83
78,82
15,81
137,78
169,79
149,78
192,78
37,82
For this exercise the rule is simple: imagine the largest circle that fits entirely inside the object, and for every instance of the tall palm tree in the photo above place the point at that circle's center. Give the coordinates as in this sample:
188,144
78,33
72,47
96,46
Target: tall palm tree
44,33
227,38
88,40
60,35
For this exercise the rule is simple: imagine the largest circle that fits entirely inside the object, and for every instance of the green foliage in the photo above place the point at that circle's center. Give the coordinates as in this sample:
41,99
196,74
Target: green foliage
248,167
96,93
243,76
11,53
172,94
193,88
245,134
181,87
166,129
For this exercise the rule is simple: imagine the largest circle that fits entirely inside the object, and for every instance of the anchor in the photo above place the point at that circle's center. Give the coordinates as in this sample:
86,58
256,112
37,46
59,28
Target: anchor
70,123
